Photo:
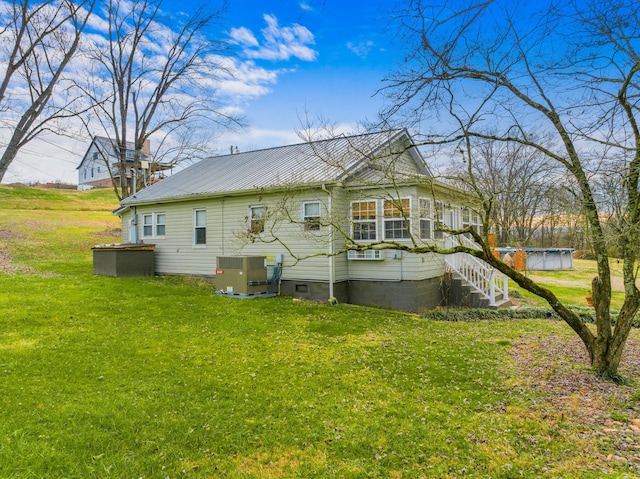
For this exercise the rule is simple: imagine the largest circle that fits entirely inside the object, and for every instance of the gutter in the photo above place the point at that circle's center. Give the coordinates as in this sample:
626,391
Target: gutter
218,194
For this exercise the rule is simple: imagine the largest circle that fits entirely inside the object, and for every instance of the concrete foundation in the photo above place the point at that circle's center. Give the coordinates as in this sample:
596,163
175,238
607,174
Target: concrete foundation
415,296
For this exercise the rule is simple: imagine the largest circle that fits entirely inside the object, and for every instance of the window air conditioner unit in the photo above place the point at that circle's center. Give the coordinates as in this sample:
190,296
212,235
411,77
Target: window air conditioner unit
241,274
370,254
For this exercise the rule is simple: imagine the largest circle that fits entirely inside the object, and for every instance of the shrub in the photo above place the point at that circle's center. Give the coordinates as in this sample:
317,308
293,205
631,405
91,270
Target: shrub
477,314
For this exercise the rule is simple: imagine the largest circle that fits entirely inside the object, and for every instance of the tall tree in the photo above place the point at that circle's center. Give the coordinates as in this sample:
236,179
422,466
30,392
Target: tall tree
518,180
153,75
565,68
37,42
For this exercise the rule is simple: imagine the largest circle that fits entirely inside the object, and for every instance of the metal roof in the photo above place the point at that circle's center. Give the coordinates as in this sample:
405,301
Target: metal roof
325,161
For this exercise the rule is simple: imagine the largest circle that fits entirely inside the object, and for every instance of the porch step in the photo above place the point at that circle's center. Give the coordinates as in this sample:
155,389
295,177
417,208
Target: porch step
458,293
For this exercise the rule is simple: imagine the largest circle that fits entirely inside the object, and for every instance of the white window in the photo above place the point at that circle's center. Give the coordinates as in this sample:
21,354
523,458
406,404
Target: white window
200,227
153,225
311,215
371,254
160,224
425,218
363,220
437,234
147,225
257,216
396,219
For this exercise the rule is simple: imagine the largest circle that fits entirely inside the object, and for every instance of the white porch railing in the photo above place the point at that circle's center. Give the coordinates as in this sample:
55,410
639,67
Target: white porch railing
488,281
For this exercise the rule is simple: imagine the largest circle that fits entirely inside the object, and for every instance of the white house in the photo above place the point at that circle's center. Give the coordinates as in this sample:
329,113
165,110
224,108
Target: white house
305,206
100,163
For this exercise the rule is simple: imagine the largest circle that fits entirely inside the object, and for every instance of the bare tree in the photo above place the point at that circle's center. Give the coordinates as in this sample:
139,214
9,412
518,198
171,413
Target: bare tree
567,69
37,43
152,77
518,180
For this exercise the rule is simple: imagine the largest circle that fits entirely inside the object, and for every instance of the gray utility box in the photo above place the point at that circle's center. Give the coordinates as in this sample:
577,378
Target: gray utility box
124,260
241,274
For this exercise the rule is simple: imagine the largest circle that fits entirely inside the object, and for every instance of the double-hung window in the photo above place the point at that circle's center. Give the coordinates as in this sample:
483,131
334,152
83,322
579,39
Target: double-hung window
257,216
471,218
161,222
311,215
438,233
153,225
147,225
200,227
364,220
396,219
425,218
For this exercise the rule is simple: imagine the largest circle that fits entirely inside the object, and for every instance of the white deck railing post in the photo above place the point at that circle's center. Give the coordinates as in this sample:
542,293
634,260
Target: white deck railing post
492,289
478,274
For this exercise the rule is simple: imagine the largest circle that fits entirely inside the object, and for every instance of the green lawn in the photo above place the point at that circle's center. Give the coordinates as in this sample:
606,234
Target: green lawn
571,286
157,377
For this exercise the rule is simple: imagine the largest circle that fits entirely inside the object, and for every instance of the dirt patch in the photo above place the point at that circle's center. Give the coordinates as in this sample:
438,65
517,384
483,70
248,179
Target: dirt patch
607,414
109,232
10,235
6,266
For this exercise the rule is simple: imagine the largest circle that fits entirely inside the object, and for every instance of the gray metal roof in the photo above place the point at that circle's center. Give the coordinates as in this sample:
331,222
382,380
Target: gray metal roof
325,161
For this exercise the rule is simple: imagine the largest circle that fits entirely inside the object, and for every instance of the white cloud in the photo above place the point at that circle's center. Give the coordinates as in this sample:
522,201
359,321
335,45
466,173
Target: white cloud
361,49
280,43
230,81
244,36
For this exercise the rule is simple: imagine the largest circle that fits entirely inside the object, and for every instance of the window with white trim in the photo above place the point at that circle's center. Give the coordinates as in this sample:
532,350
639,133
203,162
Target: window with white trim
396,219
200,227
439,223
425,218
363,220
257,216
153,225
161,222
147,225
311,215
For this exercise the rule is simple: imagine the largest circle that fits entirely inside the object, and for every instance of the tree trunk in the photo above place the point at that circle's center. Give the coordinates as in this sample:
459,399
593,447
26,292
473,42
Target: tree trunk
10,152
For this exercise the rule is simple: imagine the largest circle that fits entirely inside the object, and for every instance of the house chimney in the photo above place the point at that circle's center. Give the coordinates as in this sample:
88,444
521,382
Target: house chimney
146,148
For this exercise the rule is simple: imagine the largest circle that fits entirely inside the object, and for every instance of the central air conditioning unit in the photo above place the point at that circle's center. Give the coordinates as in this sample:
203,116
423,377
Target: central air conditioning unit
241,274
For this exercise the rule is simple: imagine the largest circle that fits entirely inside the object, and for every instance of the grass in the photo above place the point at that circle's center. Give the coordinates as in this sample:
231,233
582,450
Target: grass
158,377
571,286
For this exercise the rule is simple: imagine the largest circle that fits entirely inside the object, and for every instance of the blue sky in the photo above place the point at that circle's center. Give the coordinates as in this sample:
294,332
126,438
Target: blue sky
333,68
317,57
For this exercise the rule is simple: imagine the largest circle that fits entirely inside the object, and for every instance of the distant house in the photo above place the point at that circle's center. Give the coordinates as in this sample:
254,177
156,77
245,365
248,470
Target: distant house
305,201
101,163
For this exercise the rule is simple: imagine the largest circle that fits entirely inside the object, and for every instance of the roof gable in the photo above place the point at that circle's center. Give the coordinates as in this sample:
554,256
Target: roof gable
108,148
342,158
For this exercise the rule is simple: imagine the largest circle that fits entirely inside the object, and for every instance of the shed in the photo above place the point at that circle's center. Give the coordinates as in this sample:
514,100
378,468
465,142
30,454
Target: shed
544,259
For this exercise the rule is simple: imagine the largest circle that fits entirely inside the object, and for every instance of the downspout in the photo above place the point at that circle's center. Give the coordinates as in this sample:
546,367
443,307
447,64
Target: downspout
134,226
331,245
222,227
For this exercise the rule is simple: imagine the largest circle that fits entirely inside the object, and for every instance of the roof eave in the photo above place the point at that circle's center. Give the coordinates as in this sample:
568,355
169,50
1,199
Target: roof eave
225,194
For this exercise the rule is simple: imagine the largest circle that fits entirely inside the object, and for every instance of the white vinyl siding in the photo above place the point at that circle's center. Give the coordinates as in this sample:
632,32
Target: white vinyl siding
176,254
